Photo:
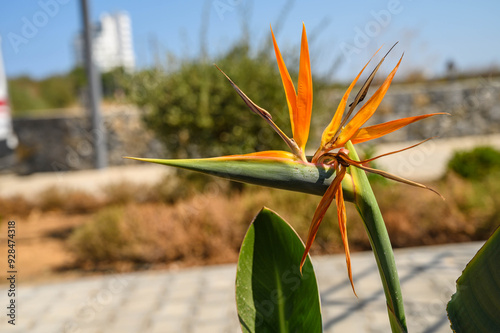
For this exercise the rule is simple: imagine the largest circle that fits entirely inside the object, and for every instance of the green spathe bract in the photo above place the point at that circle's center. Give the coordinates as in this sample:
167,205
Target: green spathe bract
277,173
475,307
271,293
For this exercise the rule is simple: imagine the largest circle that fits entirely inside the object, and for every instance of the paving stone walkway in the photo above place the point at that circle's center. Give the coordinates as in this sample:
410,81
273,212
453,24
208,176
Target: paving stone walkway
202,299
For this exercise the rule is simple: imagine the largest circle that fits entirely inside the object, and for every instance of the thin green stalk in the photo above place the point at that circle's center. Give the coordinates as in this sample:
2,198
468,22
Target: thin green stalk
368,209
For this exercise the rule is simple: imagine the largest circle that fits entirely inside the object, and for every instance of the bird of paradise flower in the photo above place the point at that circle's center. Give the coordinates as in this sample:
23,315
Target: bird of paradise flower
341,130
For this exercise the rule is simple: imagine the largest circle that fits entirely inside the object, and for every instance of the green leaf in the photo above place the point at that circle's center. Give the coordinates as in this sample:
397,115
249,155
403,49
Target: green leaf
475,307
271,293
286,175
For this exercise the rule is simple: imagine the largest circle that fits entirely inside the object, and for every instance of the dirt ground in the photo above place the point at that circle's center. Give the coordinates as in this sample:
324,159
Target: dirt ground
40,248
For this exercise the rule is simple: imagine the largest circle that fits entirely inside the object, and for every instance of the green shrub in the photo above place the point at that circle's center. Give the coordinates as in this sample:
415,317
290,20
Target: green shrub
476,163
195,112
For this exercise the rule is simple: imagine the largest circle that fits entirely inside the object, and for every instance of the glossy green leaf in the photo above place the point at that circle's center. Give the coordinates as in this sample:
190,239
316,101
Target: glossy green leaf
475,307
287,175
271,293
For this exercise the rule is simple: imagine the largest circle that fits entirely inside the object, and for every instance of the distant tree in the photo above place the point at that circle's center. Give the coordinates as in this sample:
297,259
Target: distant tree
27,95
78,77
113,82
24,95
58,91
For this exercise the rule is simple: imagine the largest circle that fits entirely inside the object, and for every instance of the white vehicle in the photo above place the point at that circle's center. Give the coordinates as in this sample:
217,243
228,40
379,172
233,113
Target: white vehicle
8,140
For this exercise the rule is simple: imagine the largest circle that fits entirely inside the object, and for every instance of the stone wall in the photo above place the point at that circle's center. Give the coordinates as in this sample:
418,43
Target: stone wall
474,106
66,143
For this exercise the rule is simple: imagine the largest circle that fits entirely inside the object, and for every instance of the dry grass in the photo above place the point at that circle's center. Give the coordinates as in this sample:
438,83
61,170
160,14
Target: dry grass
193,231
15,206
67,201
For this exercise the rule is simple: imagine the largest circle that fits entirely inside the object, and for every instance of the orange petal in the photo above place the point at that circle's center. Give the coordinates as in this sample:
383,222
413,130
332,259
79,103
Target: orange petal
320,212
341,214
291,97
332,128
302,118
376,131
366,111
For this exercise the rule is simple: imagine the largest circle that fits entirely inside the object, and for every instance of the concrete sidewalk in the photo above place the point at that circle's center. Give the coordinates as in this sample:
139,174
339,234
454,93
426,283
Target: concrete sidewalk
202,299
91,181
428,161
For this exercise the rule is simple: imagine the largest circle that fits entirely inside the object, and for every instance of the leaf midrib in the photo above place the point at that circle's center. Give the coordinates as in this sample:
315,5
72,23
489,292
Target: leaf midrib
281,303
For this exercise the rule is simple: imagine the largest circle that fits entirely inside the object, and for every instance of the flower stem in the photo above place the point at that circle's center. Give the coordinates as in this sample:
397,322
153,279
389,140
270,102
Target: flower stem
373,221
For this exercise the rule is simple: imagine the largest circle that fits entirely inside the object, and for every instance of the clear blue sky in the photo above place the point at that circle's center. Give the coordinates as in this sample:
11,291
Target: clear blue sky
429,32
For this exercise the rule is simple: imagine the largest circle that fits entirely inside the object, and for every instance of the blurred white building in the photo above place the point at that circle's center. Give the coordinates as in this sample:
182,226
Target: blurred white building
112,43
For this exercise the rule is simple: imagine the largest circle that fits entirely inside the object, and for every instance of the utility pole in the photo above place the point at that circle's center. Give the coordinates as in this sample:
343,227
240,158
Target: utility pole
94,93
